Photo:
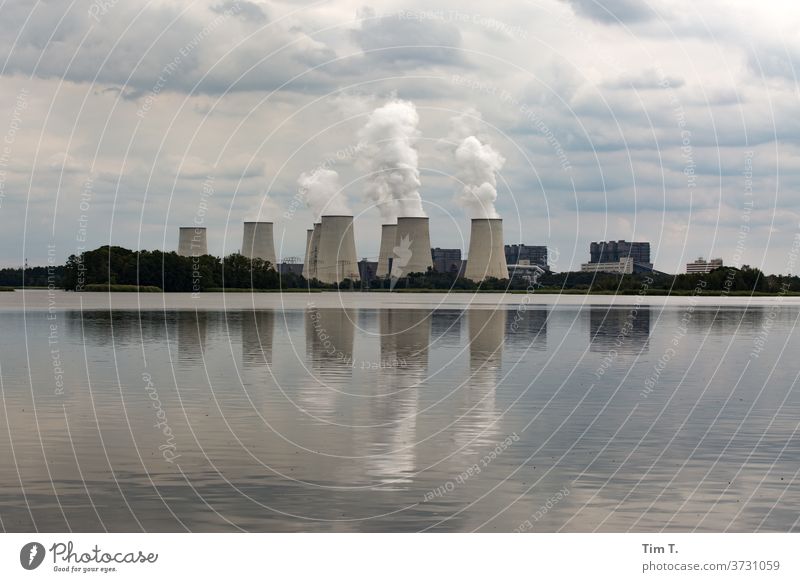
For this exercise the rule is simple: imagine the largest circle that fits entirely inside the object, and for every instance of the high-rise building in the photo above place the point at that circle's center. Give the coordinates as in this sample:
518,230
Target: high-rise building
614,251
526,255
446,260
703,266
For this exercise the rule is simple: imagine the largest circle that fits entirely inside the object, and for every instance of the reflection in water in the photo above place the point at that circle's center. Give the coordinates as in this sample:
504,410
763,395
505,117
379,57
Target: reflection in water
624,329
347,420
486,337
192,334
527,328
258,329
446,327
403,367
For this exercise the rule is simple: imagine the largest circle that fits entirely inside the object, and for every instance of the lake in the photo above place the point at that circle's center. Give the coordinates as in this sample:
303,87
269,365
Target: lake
398,412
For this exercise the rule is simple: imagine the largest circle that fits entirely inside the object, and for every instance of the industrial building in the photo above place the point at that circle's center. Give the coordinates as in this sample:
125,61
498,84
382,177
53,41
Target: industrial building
703,266
446,260
620,256
527,255
388,236
367,270
612,251
624,266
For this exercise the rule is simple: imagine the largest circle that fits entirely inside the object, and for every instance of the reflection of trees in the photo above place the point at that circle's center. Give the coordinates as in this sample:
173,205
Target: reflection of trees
624,329
725,320
192,334
446,327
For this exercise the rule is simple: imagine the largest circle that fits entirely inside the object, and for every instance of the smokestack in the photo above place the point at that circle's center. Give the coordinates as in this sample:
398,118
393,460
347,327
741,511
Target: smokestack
412,246
307,259
192,241
388,236
487,256
257,242
336,254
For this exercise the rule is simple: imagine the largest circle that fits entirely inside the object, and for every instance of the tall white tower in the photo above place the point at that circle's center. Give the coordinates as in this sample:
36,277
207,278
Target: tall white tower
258,242
336,253
412,246
487,257
388,236
192,241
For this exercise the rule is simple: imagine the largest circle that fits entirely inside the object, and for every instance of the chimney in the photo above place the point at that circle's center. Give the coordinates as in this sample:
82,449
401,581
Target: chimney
487,257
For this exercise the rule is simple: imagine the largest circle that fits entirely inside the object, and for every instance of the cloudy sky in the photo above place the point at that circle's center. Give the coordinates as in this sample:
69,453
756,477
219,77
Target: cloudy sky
670,121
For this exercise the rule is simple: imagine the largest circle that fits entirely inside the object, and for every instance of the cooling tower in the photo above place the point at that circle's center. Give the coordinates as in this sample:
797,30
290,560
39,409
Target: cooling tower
307,258
487,256
192,241
388,235
257,242
412,246
313,251
336,250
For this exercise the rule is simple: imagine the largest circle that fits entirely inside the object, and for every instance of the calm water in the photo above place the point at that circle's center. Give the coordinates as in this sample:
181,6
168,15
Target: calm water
401,413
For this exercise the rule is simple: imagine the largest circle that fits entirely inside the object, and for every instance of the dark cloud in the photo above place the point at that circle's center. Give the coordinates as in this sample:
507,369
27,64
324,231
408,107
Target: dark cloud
408,40
247,11
613,11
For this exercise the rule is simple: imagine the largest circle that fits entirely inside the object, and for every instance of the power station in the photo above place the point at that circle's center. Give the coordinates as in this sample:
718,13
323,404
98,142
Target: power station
258,243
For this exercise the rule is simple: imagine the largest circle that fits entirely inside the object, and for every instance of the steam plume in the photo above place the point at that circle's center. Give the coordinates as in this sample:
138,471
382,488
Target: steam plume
390,159
322,193
477,166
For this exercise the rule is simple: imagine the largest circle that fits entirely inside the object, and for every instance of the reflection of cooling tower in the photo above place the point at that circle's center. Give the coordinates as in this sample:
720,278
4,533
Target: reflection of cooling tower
487,329
192,241
258,329
388,235
307,259
412,246
330,335
487,257
192,333
405,338
257,242
336,254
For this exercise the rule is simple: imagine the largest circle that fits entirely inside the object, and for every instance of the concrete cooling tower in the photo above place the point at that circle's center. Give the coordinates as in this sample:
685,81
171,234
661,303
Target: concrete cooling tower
257,242
307,258
388,235
487,256
336,250
192,241
312,252
412,246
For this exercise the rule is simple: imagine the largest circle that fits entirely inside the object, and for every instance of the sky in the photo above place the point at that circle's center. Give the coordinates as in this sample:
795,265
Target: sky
673,122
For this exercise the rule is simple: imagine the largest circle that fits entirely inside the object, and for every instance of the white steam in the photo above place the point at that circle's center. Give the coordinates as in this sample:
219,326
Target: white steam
391,161
477,166
322,193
